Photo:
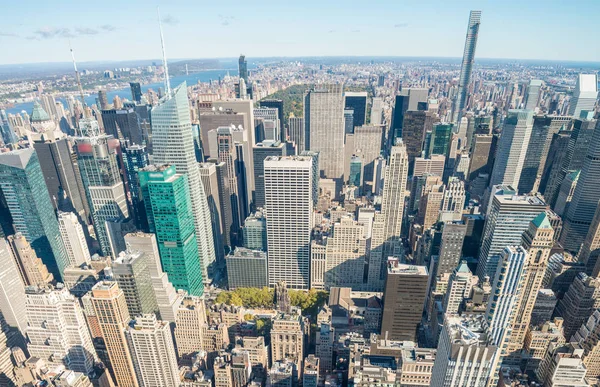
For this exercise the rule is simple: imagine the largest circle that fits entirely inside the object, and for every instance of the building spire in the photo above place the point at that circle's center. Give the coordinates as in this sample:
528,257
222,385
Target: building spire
164,53
78,78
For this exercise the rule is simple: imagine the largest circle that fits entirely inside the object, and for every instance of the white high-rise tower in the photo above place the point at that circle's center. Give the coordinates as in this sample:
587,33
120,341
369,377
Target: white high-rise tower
173,143
584,95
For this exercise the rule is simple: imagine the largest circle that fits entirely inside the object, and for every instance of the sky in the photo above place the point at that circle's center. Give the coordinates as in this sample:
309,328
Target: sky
35,31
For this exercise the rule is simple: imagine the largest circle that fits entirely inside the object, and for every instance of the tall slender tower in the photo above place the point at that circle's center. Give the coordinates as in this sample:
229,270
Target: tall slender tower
173,143
113,318
537,241
467,65
388,223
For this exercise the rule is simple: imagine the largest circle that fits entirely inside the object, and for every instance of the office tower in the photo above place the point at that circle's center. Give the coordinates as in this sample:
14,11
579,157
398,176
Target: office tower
590,248
227,154
287,339
97,158
399,110
403,300
480,156
136,91
346,252
276,104
210,182
214,119
167,298
261,151
255,232
542,132
512,148
315,174
579,302
533,94
507,218
271,124
587,338
563,366
565,193
110,309
325,339
54,153
103,100
430,204
454,200
585,94
453,236
421,186
191,317
73,238
348,121
57,330
387,226
368,142
224,202
296,133
288,197
324,128
465,353
376,111
166,197
243,68
538,340
7,134
153,351
357,101
416,123
459,288
578,217
433,165
464,81
33,271
136,158
173,142
123,123
537,241
130,270
23,187
246,269
356,176
12,296
440,140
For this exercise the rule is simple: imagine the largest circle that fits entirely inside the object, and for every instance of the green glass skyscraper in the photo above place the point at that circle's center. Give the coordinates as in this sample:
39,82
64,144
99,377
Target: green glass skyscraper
169,208
23,186
441,136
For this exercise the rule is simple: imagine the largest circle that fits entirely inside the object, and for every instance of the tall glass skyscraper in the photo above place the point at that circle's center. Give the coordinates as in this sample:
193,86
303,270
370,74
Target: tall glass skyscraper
169,207
23,186
173,143
136,158
467,65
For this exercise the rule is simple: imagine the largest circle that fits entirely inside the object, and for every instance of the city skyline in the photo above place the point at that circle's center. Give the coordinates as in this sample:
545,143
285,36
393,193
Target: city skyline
334,32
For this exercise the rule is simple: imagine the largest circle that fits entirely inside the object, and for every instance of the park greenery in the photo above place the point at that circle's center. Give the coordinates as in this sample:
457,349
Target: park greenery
308,301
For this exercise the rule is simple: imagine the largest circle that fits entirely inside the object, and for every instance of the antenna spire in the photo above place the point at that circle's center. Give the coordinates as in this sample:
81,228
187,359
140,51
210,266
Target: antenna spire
78,78
164,58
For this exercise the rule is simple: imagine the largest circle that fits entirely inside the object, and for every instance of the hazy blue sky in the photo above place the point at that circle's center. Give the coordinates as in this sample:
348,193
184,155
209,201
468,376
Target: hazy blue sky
39,30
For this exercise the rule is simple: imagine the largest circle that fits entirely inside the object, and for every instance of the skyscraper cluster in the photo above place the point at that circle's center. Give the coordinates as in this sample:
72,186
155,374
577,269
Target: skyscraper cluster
433,229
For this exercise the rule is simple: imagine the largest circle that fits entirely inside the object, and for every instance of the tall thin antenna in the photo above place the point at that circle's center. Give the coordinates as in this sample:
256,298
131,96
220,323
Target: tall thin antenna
164,53
78,80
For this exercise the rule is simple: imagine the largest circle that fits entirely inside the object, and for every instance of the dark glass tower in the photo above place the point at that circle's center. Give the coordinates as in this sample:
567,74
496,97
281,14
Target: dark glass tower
136,91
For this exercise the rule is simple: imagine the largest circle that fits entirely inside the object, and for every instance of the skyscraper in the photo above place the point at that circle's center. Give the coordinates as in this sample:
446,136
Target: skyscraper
110,309
191,317
136,91
578,217
73,238
533,94
403,300
276,104
23,187
123,123
153,352
173,143
167,197
537,241
130,270
97,158
136,158
467,65
507,218
261,151
357,101
512,148
324,128
12,295
440,140
387,226
585,94
288,197
33,271
54,153
210,182
296,133
56,328
243,68
579,302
